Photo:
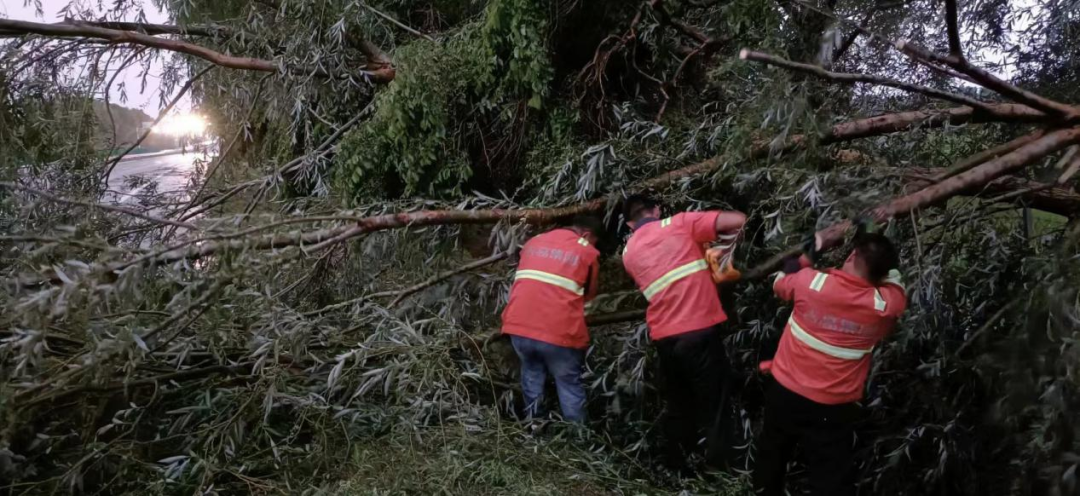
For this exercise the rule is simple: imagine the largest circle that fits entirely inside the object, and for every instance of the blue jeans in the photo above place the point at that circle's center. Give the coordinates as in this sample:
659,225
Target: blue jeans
565,364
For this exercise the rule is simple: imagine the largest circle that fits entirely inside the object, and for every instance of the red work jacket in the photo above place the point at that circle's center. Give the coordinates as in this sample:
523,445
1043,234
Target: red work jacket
557,273
828,342
667,261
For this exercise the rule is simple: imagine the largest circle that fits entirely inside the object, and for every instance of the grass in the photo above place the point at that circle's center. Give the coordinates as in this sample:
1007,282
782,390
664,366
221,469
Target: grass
506,461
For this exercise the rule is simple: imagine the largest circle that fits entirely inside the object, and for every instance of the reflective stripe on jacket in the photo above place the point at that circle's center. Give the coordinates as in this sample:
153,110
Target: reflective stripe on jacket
557,273
666,260
828,342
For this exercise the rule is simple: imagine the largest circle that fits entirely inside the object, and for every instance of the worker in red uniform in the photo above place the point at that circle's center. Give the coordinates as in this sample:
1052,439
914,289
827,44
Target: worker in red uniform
545,317
820,368
665,256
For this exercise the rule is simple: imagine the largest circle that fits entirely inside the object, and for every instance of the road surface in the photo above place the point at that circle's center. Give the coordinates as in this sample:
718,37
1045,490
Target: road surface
153,175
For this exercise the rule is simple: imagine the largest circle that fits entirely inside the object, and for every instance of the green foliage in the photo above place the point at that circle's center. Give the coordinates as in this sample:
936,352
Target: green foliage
515,51
412,137
444,94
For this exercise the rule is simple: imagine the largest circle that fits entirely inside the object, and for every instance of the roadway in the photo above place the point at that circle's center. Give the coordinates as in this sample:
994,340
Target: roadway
153,175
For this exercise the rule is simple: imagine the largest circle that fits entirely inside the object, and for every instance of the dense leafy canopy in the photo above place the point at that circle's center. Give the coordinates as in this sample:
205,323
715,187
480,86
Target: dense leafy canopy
269,332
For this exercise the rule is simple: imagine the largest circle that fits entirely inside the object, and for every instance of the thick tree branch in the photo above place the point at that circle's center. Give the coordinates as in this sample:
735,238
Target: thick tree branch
987,80
874,126
852,78
833,236
952,21
1049,197
983,174
156,29
983,156
83,30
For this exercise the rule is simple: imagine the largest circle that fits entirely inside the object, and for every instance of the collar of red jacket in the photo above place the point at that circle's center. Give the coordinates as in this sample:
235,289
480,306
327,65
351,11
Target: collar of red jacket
641,223
852,278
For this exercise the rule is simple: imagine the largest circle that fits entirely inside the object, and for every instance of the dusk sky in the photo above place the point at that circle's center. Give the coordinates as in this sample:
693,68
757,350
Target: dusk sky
148,101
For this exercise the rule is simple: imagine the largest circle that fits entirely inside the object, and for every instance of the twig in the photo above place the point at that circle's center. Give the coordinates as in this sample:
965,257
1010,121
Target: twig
852,78
396,22
216,164
47,239
849,40
210,292
863,30
987,325
100,206
183,375
295,164
675,80
446,275
168,108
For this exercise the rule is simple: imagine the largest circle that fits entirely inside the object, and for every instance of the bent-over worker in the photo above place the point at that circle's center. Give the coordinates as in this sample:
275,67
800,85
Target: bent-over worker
545,317
666,259
821,366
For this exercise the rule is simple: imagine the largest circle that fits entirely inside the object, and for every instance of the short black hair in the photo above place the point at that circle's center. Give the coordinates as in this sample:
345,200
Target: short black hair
589,223
636,205
878,253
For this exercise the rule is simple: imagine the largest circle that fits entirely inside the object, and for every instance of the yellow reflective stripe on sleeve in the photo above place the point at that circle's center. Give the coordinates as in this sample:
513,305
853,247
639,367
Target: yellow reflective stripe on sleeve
674,275
666,222
819,281
553,279
894,277
879,302
583,242
826,348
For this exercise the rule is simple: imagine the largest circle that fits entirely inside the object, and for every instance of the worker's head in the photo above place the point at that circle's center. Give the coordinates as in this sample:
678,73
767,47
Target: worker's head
588,227
873,257
637,207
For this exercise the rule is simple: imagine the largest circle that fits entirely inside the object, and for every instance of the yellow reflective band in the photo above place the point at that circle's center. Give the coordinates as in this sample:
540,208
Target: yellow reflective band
674,275
879,302
666,222
583,242
826,348
894,277
553,279
819,281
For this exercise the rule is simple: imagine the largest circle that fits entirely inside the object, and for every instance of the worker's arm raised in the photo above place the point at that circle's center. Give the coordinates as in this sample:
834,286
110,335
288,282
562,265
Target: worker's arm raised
730,222
785,281
706,227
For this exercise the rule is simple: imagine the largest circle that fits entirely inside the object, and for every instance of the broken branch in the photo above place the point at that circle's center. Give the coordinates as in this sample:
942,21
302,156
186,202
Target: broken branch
99,206
853,78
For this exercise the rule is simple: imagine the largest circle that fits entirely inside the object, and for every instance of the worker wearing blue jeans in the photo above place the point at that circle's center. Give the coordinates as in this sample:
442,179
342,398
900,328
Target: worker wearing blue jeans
565,365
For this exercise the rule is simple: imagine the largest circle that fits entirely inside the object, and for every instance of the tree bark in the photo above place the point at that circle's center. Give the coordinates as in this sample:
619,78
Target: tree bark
380,73
983,174
1048,197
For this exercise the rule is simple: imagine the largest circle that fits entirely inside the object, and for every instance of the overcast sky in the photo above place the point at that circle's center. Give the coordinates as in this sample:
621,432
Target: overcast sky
148,101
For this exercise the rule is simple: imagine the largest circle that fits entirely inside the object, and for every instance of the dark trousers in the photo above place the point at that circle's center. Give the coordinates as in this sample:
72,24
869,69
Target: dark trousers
696,385
538,359
825,433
